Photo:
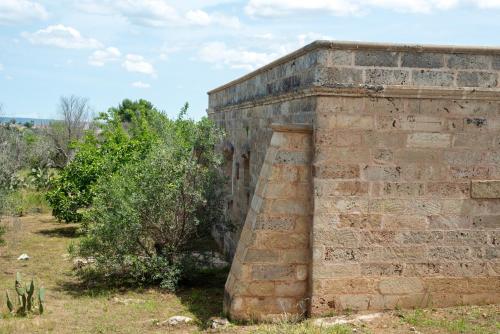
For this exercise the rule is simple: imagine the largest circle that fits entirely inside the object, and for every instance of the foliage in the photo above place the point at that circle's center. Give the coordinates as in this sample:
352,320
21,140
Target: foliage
2,232
144,214
26,301
25,201
126,134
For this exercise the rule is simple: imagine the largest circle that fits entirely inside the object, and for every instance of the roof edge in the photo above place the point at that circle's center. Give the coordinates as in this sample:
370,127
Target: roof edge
351,45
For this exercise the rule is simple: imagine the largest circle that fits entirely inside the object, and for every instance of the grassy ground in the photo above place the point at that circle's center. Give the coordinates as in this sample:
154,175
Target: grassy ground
73,307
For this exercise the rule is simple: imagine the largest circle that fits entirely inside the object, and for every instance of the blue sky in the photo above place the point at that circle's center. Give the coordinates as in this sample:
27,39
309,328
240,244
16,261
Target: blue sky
171,52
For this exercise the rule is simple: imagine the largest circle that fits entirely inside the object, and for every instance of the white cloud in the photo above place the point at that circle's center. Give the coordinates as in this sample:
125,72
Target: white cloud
157,13
101,57
140,84
14,11
63,37
265,8
137,63
202,18
219,54
486,4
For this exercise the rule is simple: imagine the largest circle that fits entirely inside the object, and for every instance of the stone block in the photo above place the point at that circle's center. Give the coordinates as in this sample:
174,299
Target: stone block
381,173
295,256
396,254
464,237
386,77
275,223
339,238
469,172
335,270
422,60
483,284
486,222
282,240
333,76
340,188
292,157
345,286
419,237
341,205
353,122
291,289
448,189
383,156
255,289
429,140
341,255
336,171
473,140
485,189
477,79
468,61
359,221
452,253
397,189
433,78
382,269
262,256
273,272
383,237
398,222
496,62
401,285
376,58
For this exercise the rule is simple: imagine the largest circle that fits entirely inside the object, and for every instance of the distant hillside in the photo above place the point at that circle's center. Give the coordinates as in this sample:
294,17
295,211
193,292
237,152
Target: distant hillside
21,120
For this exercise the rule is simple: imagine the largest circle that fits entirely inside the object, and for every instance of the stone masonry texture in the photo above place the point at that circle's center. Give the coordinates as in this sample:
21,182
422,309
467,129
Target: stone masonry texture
364,177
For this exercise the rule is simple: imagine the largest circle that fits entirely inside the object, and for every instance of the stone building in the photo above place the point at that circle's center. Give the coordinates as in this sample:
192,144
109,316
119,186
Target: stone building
362,176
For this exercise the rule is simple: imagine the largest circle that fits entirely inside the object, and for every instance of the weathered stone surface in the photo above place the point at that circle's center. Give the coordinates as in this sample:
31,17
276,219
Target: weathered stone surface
433,78
386,77
422,59
485,189
477,79
401,285
385,197
468,61
429,140
376,58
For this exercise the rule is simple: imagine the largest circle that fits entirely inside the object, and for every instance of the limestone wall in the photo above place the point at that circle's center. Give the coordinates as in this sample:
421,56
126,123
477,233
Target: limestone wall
405,186
270,270
248,129
400,216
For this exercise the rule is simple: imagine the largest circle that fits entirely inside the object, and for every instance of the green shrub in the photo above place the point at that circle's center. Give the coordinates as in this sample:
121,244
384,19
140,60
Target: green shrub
126,134
2,232
144,214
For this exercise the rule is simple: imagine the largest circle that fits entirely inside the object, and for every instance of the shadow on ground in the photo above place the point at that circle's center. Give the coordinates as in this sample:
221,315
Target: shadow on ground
65,232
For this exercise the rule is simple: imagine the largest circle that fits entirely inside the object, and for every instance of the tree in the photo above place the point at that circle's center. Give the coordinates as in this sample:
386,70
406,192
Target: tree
126,134
144,215
75,114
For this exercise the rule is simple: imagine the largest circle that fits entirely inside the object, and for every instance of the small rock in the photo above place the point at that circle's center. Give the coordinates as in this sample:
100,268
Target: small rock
412,329
177,320
23,257
216,322
80,262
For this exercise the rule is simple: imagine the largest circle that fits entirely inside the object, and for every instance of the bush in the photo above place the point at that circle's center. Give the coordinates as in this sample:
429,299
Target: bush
126,134
144,215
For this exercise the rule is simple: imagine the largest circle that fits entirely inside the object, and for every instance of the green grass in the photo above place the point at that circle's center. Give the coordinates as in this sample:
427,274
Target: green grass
471,320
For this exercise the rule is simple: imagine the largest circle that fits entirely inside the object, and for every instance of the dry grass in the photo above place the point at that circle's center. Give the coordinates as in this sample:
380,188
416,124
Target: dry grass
73,307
